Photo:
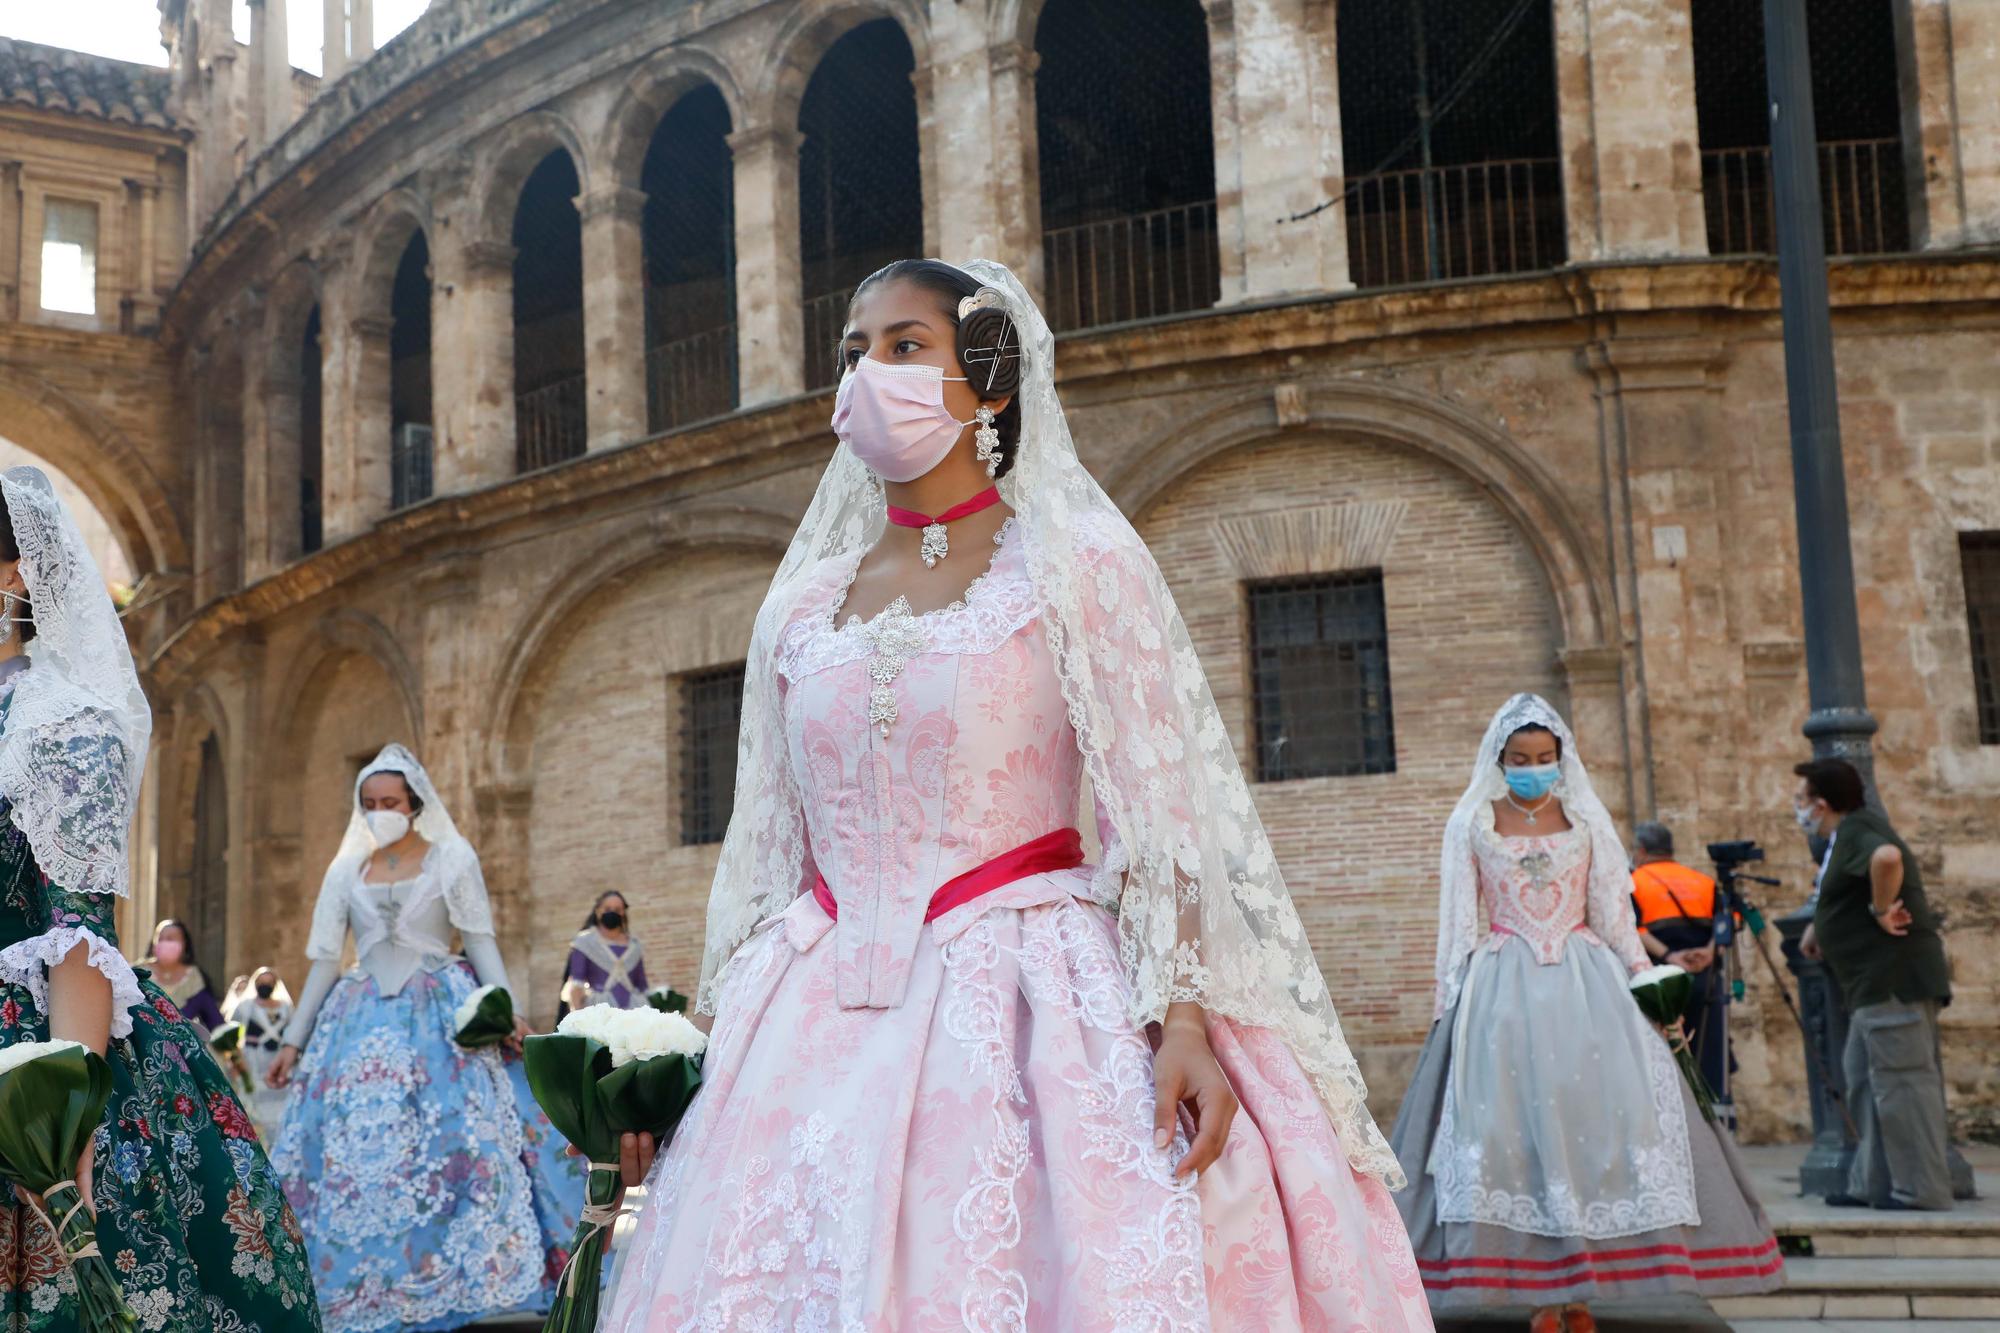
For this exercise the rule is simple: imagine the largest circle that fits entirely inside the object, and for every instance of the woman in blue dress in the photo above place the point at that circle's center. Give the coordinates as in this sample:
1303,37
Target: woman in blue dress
431,1188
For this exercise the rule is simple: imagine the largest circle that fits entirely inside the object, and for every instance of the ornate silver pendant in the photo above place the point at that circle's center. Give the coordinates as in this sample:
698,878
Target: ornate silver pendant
935,547
894,637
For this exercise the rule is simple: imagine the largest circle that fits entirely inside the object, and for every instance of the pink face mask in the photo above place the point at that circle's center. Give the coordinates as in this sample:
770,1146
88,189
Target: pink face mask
168,951
894,418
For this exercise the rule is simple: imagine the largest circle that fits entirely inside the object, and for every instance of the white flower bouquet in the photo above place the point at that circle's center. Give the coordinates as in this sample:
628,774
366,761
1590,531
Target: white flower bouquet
227,1043
603,1073
52,1096
1662,994
485,1019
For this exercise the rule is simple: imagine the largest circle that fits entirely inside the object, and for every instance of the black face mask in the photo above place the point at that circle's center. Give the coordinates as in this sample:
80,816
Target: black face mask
265,989
611,920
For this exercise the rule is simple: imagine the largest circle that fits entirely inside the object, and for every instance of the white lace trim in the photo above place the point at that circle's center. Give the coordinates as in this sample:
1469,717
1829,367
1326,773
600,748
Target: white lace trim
26,964
999,604
1664,1171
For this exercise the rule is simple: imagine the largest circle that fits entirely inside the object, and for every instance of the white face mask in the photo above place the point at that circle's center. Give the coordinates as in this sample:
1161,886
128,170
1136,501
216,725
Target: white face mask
894,418
388,827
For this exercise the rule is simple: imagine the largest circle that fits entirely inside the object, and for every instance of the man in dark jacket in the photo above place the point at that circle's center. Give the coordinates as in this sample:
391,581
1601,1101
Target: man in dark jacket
1874,927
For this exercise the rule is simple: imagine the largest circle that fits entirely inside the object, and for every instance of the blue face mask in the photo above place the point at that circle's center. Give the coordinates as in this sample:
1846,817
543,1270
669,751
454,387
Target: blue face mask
1533,782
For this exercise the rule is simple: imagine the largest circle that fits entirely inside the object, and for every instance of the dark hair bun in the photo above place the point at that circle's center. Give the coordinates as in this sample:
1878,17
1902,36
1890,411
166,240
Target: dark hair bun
989,348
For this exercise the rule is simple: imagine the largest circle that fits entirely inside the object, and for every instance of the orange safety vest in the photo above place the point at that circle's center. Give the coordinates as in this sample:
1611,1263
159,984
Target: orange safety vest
1668,891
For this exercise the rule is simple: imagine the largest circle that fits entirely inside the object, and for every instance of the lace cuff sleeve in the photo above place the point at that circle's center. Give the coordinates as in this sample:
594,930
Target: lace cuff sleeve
465,893
26,964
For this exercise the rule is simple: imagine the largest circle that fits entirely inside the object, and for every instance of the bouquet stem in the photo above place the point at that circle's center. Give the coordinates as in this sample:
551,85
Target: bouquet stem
1684,1057
582,1284
100,1299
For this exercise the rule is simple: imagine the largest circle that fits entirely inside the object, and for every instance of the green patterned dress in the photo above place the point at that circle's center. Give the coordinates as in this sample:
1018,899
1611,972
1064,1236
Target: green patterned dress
188,1210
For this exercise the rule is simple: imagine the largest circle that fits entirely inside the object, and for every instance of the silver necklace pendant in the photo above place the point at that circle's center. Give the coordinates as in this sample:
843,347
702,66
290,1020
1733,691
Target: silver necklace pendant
935,546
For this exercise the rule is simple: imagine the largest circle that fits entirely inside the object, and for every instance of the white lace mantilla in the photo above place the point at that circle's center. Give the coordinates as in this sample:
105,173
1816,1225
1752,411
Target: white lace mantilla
26,964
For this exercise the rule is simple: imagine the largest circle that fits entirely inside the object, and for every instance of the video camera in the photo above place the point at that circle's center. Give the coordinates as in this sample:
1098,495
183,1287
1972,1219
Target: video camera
1730,858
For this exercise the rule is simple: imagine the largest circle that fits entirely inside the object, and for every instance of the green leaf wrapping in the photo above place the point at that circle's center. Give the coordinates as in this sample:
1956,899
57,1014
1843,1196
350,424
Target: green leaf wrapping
492,1021
669,1001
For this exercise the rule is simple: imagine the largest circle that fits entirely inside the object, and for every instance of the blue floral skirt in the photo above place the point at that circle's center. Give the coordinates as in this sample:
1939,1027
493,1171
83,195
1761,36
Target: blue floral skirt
431,1188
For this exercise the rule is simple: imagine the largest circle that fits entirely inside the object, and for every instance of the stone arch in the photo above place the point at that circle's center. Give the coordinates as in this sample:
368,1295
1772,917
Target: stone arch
1405,419
387,229
509,155
198,715
806,36
120,483
398,221
506,758
354,632
1014,21
649,94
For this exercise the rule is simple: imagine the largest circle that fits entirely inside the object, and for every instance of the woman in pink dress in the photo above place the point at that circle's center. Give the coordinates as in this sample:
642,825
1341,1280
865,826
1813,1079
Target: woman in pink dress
958,1076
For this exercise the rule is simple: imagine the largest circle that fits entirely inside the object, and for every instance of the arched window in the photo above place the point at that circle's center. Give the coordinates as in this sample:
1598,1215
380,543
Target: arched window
1449,133
690,239
410,376
548,317
311,458
1856,112
1127,160
860,185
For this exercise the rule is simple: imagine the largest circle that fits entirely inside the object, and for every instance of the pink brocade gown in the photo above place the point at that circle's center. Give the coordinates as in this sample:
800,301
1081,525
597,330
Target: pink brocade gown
948,1125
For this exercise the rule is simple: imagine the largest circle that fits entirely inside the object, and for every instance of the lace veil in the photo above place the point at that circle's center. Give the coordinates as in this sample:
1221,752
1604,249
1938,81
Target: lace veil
1458,876
74,746
1203,913
451,868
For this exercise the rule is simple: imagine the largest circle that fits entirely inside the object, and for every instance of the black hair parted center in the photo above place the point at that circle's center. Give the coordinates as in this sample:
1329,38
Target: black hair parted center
1531,727
988,344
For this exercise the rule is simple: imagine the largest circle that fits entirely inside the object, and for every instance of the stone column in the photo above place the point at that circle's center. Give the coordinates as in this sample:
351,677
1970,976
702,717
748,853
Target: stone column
614,315
1275,102
360,30
1631,149
356,431
333,40
472,314
10,240
1949,55
1016,162
145,282
270,74
770,319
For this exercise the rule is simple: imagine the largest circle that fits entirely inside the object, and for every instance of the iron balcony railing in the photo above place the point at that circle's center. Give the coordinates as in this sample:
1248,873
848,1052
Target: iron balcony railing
1864,210
410,465
691,378
549,424
1471,220
826,317
1139,266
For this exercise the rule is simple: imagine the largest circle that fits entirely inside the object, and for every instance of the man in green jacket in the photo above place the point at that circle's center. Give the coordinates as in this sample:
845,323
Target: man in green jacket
1875,929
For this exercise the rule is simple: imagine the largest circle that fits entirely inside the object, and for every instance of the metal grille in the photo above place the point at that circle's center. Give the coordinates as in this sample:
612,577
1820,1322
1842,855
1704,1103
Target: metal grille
690,241
1455,222
549,425
311,521
549,412
860,191
1449,132
1127,149
1856,112
410,465
1979,553
711,706
1319,661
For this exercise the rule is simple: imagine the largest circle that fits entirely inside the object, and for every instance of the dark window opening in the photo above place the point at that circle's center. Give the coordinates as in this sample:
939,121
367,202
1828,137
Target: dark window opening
549,421
206,910
1979,555
410,377
690,240
312,531
1857,115
1319,662
1122,120
1449,136
711,706
860,186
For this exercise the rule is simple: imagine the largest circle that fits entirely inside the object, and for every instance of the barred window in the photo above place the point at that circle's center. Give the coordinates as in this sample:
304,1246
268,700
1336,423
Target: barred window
711,705
1319,661
1980,554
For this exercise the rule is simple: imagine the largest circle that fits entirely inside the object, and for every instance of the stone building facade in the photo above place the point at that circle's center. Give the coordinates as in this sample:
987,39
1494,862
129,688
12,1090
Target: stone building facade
500,386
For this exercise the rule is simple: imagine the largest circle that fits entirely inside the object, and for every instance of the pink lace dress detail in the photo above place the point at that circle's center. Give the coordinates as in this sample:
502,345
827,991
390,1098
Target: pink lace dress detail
948,1125
1536,889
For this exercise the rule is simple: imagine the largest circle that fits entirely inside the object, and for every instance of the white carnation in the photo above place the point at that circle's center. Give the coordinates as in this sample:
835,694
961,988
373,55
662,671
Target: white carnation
634,1034
20,1053
470,1009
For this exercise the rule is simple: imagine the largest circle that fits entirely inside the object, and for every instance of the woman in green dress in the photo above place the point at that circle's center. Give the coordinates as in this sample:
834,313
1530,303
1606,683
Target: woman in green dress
188,1210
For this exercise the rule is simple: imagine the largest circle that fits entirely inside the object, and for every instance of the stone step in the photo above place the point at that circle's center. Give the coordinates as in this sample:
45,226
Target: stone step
1877,1288
1861,1326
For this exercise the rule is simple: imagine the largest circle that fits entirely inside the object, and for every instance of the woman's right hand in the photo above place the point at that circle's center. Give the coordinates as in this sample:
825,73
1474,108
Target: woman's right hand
280,1073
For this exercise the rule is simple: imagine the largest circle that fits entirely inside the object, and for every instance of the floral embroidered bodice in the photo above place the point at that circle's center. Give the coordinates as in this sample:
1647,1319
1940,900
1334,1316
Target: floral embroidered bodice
924,746
1536,888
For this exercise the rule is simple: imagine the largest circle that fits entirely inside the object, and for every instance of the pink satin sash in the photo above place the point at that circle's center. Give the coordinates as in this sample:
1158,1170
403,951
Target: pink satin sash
1061,850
